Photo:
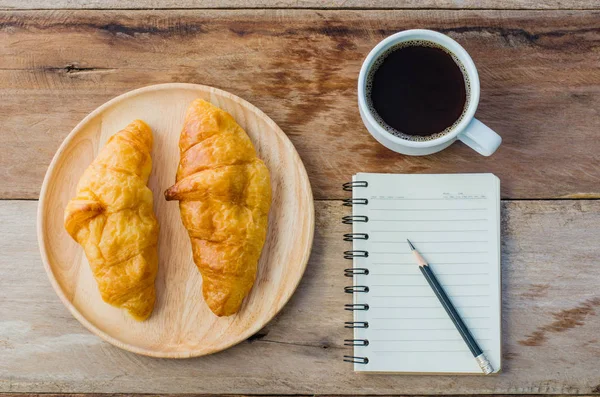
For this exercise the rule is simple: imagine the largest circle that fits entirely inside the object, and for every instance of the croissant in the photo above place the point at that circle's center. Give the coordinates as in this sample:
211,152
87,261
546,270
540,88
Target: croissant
112,218
224,194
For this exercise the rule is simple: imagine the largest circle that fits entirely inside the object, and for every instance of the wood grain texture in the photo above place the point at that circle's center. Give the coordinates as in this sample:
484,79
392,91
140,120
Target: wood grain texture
181,325
361,4
238,395
539,76
231,395
551,318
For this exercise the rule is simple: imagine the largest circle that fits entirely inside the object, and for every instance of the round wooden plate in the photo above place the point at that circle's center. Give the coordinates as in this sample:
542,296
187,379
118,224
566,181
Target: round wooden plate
181,325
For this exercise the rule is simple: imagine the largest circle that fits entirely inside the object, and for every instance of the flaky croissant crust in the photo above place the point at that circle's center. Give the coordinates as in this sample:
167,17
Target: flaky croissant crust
224,194
112,218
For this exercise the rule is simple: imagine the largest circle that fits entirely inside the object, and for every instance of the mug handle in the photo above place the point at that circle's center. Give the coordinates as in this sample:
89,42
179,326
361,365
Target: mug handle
480,138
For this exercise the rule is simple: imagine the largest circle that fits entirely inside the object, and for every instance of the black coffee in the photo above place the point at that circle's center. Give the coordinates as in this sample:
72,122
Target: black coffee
418,91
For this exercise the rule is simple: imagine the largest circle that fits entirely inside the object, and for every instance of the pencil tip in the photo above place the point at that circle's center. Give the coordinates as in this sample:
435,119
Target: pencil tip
412,247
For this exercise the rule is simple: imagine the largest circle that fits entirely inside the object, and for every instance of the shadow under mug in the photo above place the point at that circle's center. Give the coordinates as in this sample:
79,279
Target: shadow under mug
469,130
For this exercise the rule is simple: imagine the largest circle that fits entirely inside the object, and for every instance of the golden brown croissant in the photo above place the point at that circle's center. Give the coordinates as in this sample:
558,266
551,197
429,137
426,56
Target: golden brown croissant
224,194
112,218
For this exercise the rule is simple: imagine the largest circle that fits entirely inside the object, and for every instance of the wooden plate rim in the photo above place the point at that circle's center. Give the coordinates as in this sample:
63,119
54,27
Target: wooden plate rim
41,223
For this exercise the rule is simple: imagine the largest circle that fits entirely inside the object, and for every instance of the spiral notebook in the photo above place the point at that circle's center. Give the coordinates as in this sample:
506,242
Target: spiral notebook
454,221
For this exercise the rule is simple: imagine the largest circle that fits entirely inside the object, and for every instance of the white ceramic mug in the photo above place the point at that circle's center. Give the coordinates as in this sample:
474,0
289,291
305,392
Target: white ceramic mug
469,130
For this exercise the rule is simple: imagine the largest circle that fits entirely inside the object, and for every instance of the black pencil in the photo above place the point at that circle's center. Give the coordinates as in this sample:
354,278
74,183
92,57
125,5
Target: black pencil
483,362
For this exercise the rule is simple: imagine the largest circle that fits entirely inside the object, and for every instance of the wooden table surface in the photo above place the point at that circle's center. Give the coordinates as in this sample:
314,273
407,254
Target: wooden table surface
298,60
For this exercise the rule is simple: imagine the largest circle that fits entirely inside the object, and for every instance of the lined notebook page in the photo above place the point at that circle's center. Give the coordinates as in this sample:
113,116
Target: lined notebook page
454,222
